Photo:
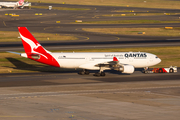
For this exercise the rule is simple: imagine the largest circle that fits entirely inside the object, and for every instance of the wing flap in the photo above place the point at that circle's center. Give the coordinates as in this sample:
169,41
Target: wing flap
109,64
96,65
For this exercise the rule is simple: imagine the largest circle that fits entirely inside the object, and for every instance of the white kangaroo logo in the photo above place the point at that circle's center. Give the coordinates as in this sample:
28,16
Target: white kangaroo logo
21,2
37,46
32,45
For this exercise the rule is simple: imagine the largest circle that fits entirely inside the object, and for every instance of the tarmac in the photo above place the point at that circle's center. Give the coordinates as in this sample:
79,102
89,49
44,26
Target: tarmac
70,96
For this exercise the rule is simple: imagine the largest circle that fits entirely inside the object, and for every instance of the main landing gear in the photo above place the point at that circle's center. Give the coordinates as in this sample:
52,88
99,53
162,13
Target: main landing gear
100,73
84,72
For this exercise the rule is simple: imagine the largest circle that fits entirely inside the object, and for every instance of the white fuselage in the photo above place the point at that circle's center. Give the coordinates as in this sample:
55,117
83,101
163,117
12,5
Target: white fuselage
8,4
89,60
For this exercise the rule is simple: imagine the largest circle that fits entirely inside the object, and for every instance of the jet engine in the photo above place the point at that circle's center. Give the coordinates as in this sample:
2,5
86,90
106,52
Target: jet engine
125,68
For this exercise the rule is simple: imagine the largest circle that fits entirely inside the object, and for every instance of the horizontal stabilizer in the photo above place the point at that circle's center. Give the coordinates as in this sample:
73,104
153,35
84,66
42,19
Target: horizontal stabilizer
14,52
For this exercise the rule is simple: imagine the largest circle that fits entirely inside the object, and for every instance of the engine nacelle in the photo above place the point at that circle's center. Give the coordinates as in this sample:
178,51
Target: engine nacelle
128,69
125,68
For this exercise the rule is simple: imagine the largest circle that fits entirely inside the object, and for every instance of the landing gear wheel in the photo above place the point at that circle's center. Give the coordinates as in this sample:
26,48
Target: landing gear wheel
102,74
86,72
171,70
81,73
97,74
160,70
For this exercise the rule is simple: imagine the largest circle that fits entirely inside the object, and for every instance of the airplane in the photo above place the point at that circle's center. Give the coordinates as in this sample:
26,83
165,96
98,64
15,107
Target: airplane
125,62
14,5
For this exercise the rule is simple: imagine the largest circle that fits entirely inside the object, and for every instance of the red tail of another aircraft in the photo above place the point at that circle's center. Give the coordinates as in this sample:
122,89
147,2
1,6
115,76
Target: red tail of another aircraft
21,2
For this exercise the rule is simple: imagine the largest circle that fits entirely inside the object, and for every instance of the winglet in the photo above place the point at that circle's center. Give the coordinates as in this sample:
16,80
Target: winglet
115,59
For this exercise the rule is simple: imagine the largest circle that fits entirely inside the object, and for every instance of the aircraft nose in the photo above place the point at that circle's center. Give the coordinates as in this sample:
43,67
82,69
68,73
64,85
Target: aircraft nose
159,60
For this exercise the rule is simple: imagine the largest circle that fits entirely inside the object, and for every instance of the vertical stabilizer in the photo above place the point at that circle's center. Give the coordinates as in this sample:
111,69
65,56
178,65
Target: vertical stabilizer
31,45
20,2
34,50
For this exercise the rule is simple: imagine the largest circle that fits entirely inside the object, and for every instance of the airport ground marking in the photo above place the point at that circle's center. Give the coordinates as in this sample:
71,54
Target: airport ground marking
117,38
161,94
4,23
92,90
85,92
130,92
104,92
86,38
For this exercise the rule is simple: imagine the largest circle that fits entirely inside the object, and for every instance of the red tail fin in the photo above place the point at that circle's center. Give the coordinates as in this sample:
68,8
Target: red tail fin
31,45
34,50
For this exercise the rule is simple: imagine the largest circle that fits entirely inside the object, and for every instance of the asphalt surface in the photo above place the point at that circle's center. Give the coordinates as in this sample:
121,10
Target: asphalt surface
68,96
71,77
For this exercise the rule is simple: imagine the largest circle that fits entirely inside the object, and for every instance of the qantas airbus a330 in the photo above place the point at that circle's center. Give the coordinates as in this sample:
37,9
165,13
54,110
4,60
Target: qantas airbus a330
124,62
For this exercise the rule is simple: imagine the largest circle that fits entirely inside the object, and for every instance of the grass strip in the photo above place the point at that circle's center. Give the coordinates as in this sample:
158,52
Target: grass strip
129,22
174,32
138,14
11,36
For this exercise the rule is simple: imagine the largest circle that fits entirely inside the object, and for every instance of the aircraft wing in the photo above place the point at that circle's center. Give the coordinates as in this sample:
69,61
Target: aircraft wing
109,64
114,64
